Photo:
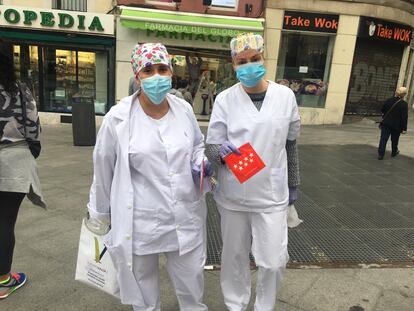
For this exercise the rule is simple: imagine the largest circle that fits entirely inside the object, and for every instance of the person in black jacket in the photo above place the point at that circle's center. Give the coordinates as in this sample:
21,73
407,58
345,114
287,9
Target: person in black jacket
18,168
394,122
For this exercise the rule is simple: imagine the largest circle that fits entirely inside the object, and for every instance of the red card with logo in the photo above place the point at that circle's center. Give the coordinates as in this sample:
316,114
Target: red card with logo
245,165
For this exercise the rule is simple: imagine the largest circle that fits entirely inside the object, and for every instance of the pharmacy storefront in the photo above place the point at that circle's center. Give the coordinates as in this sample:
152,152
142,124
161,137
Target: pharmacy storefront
198,44
61,54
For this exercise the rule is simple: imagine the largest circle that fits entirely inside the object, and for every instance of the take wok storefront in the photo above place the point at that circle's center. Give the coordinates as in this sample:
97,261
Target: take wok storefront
336,61
380,65
199,39
61,54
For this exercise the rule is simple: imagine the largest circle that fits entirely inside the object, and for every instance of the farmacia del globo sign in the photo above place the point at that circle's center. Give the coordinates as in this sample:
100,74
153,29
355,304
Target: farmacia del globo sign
50,19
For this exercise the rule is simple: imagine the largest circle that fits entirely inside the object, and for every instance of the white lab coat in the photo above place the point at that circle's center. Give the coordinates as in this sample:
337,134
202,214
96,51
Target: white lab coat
236,119
112,193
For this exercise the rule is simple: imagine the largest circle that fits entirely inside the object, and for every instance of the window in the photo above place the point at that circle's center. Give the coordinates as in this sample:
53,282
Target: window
224,3
70,5
200,74
304,64
158,2
26,66
55,76
69,73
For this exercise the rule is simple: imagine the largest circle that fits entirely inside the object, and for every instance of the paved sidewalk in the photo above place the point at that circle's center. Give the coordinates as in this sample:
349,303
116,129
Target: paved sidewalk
46,245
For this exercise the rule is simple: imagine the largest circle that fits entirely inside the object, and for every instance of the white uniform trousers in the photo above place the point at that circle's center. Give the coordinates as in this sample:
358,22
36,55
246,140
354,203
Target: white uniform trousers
186,273
265,234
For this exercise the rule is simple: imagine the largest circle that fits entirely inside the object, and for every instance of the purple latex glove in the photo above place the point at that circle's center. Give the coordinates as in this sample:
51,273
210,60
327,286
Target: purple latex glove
196,171
208,168
293,194
226,148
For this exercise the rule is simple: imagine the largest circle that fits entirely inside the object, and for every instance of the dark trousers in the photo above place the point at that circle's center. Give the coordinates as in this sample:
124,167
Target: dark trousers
9,207
386,132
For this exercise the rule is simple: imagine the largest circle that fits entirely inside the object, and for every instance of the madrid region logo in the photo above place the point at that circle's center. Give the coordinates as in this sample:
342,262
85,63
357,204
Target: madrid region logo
372,27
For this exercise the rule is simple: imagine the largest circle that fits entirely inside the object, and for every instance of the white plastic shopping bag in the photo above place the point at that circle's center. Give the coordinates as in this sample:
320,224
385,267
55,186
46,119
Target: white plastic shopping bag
94,266
293,218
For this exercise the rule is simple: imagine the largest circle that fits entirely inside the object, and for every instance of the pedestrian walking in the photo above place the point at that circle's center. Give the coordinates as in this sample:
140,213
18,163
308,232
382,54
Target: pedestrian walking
19,123
148,149
394,122
254,214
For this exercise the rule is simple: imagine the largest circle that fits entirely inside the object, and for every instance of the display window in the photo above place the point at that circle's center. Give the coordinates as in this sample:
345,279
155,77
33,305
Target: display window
26,66
56,75
304,64
199,75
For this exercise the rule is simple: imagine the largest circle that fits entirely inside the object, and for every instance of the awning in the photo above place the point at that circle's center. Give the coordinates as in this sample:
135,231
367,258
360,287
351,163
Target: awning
190,23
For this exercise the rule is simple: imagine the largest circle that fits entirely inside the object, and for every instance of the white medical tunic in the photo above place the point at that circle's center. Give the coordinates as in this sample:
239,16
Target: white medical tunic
160,155
236,119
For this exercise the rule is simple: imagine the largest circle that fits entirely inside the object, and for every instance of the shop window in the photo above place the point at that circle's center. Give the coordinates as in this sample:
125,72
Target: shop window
26,66
199,75
68,73
70,5
303,65
56,75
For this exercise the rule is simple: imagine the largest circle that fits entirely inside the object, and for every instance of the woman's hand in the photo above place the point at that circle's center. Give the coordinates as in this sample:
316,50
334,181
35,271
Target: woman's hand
196,172
208,168
99,226
226,148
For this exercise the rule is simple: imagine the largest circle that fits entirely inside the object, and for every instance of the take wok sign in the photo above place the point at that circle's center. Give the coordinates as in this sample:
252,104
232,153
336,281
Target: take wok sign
378,29
46,19
305,21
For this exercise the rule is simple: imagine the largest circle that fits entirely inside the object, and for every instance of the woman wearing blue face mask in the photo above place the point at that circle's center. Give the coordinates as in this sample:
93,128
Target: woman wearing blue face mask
254,214
147,163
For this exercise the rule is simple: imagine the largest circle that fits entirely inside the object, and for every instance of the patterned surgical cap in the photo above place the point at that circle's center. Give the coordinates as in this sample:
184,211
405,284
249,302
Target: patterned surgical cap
246,41
147,54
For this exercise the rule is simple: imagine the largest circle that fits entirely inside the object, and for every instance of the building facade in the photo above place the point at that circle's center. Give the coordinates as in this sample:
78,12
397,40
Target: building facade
62,49
340,57
197,36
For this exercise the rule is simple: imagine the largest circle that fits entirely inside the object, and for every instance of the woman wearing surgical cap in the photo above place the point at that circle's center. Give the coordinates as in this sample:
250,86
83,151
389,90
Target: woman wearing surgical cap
146,187
254,214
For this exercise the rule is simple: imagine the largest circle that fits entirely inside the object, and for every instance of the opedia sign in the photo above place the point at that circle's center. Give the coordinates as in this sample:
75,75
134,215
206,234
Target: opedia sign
39,19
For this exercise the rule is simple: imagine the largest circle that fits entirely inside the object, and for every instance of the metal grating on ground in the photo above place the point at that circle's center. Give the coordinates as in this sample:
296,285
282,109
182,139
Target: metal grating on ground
214,242
356,210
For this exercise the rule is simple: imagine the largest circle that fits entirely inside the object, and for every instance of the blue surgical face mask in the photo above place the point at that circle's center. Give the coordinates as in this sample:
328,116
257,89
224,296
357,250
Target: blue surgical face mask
250,74
156,87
